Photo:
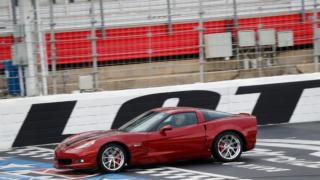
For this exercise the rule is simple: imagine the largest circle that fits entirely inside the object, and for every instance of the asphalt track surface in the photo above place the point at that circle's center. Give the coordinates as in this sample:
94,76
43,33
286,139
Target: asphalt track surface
288,151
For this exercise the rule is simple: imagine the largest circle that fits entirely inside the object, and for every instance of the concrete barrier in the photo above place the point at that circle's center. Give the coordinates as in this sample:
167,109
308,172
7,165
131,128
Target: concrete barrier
49,119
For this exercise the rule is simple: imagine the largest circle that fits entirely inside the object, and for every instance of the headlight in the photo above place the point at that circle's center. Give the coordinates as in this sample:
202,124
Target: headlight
87,144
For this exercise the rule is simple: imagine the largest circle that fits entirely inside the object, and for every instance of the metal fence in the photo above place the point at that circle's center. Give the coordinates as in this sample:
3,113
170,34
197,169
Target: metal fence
61,46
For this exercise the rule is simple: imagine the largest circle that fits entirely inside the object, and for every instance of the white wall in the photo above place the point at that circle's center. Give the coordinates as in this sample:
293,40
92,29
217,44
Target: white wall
96,111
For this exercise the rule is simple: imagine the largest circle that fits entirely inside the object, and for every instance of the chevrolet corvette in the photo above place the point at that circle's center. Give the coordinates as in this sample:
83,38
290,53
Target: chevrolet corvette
158,136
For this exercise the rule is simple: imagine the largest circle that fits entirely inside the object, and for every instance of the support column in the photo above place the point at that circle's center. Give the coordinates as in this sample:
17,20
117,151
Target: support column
303,11
41,48
169,17
26,18
235,26
94,46
53,50
315,37
201,42
103,28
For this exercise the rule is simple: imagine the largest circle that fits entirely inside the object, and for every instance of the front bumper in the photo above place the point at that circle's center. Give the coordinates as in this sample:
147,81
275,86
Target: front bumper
75,159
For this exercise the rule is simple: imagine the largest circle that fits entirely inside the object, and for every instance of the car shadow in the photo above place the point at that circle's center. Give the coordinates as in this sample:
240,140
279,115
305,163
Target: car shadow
184,164
179,164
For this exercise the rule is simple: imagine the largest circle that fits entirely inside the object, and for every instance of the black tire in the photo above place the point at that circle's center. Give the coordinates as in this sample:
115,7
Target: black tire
104,166
220,151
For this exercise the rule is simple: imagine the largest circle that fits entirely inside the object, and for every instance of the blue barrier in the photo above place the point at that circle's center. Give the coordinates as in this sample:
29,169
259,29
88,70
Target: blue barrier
12,75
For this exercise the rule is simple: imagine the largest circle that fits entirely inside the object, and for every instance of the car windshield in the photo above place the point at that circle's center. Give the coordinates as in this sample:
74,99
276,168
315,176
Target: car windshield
144,123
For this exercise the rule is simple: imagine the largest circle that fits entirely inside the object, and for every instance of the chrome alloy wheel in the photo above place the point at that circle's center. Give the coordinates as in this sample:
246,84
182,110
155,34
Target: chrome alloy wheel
229,147
113,158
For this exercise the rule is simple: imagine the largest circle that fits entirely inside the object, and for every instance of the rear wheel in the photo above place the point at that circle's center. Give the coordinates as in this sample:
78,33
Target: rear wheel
112,158
227,147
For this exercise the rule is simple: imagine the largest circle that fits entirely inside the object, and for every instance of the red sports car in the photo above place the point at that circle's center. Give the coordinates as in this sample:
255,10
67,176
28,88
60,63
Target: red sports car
161,135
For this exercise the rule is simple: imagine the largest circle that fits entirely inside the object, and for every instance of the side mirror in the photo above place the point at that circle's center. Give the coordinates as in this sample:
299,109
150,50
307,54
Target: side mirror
164,129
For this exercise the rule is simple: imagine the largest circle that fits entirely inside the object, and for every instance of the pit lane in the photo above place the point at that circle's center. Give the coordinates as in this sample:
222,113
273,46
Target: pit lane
287,151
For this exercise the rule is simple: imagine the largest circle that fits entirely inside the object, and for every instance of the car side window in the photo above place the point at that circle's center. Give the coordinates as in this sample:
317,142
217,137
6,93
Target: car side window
210,115
180,120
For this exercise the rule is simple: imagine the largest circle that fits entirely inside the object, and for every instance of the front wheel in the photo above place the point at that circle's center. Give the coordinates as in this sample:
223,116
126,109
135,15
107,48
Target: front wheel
112,158
227,147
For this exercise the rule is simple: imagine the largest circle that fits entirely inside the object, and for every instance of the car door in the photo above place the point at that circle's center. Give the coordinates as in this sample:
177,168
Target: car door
184,141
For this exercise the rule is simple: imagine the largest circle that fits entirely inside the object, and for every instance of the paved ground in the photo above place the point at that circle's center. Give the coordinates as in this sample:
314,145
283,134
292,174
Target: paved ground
290,151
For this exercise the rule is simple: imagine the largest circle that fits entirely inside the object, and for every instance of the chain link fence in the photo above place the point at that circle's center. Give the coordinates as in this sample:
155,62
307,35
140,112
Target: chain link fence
65,46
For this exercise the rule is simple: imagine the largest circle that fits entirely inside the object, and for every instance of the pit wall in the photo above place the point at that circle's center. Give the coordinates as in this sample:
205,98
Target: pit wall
49,119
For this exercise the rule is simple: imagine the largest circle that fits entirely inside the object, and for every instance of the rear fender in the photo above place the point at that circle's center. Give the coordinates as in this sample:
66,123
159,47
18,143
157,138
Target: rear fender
213,131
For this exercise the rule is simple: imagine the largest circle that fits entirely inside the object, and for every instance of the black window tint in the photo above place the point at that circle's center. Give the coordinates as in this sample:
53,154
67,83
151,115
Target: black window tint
213,115
180,120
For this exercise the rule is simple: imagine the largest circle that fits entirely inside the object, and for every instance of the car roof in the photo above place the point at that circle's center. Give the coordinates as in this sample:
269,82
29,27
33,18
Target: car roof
173,110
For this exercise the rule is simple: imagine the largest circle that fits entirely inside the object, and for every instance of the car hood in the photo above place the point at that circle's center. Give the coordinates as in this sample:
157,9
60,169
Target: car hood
87,136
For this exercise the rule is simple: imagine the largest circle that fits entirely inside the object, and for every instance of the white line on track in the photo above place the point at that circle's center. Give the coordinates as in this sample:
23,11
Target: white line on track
204,173
179,173
292,146
296,144
290,141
